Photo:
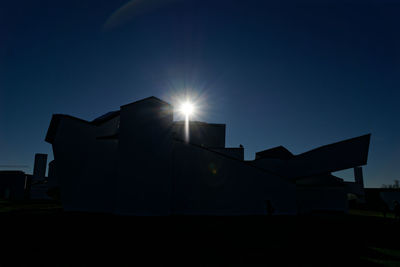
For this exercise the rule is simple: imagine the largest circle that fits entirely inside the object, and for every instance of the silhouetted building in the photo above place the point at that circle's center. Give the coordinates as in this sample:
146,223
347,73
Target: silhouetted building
51,176
13,185
233,152
40,165
134,161
278,152
38,185
317,188
358,176
377,198
201,133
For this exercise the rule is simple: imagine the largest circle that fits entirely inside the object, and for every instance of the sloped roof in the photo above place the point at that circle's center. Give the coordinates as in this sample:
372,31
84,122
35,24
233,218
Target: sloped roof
147,99
106,117
55,120
362,141
112,114
278,152
333,157
338,156
247,163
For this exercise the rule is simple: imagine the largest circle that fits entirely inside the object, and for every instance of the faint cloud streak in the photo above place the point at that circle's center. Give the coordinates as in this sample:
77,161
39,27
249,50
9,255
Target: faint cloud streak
133,8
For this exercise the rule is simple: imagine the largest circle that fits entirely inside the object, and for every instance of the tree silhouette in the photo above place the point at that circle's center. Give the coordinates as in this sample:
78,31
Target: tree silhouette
394,185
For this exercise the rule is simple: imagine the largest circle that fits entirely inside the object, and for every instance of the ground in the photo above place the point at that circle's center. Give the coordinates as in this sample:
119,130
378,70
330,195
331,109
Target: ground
41,233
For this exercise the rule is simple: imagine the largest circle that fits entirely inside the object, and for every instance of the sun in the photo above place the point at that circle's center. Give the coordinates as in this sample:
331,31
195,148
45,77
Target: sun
187,108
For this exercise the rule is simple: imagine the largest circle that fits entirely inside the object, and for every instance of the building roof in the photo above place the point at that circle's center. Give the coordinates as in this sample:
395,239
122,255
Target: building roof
338,156
147,99
278,152
361,141
55,120
232,158
105,117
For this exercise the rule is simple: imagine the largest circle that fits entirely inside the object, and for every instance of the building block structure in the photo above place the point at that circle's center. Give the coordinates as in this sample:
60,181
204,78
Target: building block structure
134,161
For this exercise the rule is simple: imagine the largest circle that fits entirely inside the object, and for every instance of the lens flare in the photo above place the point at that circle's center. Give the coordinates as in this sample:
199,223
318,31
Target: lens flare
187,109
189,106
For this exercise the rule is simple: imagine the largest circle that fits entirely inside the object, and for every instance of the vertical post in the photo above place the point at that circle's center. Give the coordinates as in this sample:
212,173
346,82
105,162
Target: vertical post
358,176
39,168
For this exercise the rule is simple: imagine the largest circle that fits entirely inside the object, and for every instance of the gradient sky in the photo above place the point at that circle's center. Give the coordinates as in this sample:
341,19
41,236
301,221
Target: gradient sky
298,74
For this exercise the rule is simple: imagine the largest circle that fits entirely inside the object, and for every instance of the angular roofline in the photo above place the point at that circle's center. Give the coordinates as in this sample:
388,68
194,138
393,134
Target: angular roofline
55,121
320,147
360,157
235,159
116,113
277,148
272,148
350,140
98,121
146,99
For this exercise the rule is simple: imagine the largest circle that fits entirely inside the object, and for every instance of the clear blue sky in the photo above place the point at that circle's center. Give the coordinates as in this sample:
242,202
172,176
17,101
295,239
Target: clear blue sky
293,73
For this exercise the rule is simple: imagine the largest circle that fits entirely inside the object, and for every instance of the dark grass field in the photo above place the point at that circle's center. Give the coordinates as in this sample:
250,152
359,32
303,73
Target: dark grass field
42,234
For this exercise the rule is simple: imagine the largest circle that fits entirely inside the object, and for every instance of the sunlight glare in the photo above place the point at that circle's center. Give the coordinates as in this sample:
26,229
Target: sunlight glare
187,109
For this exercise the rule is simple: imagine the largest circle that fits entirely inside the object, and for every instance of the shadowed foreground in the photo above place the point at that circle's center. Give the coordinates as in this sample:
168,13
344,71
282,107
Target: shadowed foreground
52,237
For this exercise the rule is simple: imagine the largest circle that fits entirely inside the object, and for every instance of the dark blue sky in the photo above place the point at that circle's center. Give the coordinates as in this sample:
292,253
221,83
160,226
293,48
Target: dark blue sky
298,74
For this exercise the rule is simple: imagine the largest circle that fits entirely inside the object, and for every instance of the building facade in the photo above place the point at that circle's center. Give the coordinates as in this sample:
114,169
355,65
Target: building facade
135,161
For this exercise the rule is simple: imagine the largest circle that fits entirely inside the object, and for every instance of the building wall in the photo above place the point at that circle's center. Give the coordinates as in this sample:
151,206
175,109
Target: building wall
234,152
12,185
354,188
144,159
201,133
210,183
321,198
108,128
132,165
272,165
144,172
85,167
52,176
